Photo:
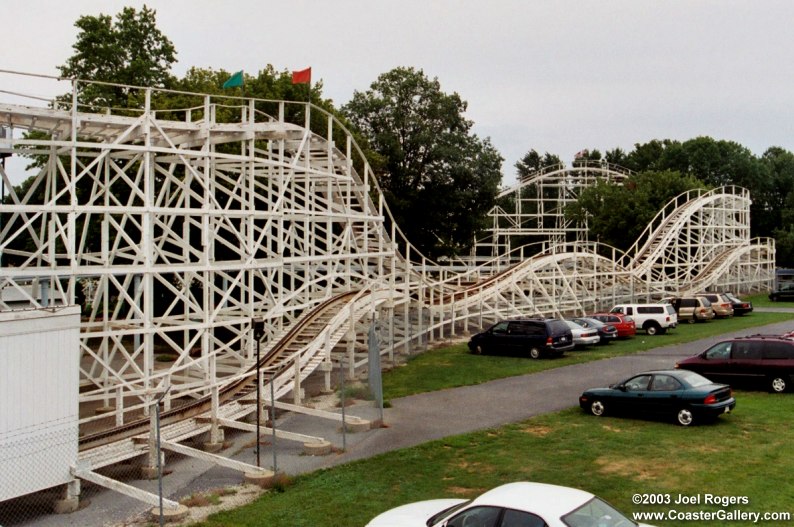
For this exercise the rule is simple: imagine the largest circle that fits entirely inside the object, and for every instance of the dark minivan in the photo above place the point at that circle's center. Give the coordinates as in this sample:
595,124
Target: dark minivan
533,337
767,359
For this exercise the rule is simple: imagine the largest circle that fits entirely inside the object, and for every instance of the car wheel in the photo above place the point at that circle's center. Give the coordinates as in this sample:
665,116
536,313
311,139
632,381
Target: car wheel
692,320
652,328
598,408
478,349
778,384
685,417
534,353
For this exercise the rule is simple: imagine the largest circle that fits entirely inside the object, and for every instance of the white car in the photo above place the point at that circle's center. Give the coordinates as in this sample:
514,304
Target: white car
521,503
583,336
653,318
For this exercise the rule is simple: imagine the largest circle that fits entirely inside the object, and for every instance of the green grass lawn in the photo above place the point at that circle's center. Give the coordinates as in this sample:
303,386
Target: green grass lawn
746,453
454,366
762,300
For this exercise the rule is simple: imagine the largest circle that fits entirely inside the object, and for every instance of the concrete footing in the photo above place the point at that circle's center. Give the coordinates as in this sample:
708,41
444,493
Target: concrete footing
149,472
358,425
170,515
212,447
70,498
66,505
319,448
259,478
376,423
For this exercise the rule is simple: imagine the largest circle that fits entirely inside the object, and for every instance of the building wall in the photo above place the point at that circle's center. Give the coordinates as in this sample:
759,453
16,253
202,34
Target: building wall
39,368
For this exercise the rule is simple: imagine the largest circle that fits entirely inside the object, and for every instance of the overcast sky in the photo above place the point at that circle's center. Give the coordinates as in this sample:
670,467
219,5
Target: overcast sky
554,76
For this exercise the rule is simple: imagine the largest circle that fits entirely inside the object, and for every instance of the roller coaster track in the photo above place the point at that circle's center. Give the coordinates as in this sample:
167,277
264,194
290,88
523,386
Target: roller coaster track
182,231
691,236
274,363
730,262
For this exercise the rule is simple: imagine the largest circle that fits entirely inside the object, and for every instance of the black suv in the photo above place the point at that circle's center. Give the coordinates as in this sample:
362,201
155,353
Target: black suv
768,359
526,336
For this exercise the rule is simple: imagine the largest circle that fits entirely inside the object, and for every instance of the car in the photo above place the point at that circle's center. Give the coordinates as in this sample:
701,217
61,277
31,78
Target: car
525,336
740,307
521,503
623,323
720,303
606,332
583,336
685,395
755,359
784,292
653,318
691,308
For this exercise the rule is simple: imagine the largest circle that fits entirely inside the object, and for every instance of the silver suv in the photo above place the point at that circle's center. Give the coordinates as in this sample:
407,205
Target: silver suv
653,318
691,308
720,303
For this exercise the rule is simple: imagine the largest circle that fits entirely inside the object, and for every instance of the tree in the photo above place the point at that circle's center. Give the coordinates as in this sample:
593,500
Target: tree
616,215
784,246
716,163
779,212
719,163
616,157
131,51
648,156
439,179
532,162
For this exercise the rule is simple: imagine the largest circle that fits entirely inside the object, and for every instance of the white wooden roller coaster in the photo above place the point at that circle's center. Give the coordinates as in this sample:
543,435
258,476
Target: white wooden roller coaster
202,232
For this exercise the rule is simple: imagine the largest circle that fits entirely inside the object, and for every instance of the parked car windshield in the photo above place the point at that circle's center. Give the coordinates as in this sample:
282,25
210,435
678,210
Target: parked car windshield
596,512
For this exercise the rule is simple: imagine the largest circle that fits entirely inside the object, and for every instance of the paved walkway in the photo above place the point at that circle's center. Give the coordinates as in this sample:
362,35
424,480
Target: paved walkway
410,421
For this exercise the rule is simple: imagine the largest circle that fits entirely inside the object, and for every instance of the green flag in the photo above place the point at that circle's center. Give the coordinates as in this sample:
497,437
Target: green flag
234,80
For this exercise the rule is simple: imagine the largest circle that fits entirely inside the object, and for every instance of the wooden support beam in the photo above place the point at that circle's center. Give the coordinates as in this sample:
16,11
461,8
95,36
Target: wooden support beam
281,434
212,458
123,488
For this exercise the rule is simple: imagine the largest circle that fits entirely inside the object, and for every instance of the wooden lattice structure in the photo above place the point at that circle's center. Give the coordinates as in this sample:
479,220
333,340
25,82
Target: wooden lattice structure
209,232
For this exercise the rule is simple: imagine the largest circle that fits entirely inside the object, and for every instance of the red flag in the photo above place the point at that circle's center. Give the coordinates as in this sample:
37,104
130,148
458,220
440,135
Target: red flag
302,76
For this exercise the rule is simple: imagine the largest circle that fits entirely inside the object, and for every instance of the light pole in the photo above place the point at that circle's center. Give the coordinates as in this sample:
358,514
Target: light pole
258,331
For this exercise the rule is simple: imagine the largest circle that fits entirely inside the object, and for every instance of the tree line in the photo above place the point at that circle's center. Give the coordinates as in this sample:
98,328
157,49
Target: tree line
439,178
665,168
